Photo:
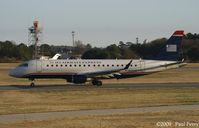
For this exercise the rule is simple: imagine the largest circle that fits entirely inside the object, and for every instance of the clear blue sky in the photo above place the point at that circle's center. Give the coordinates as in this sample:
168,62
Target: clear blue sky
98,22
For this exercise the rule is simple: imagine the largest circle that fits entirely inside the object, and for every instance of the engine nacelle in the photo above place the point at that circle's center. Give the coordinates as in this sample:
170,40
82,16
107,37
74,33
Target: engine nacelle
77,79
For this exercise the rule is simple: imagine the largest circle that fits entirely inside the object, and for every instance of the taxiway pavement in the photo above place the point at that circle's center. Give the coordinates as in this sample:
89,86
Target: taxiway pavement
13,118
105,86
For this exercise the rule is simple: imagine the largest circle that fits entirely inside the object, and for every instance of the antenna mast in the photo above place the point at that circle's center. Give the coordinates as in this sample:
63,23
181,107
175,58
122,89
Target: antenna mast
73,38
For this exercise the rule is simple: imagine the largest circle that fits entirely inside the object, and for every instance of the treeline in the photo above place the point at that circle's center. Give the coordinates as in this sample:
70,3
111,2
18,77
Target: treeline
190,49
11,52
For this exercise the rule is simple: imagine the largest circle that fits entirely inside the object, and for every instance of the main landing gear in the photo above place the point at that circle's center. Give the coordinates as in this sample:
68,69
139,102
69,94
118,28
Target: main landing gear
32,84
97,82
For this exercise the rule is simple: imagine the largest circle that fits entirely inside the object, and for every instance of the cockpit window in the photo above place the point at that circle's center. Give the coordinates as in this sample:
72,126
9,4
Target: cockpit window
23,65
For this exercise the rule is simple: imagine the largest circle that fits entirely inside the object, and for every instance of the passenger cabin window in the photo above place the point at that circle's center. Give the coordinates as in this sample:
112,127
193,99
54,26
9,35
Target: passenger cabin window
23,65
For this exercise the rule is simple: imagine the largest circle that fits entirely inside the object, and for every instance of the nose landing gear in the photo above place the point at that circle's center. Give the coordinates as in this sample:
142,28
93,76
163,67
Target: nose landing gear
32,84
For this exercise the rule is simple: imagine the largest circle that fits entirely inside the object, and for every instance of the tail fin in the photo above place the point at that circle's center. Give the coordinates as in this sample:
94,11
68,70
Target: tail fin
172,50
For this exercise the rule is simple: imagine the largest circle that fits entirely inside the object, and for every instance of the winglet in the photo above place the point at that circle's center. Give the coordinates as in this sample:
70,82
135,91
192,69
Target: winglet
128,65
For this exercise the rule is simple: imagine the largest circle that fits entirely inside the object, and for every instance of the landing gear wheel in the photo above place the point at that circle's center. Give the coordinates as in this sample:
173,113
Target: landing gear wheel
97,82
32,84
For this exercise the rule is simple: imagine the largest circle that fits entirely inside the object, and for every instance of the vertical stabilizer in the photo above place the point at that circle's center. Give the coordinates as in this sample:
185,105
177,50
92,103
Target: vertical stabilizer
172,50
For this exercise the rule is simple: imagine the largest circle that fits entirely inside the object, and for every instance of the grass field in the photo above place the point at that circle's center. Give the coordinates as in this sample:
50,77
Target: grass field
28,101
45,101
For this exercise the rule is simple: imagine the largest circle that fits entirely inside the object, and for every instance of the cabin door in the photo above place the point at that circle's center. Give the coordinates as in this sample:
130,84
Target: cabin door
39,66
142,65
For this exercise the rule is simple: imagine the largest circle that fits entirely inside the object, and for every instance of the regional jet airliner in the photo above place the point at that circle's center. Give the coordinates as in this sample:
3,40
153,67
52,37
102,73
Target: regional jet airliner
79,71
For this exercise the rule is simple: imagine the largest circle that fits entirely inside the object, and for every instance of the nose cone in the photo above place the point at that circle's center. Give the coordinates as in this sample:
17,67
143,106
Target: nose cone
18,72
13,73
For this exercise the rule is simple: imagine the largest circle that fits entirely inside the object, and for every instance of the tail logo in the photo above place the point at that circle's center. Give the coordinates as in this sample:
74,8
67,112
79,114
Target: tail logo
171,48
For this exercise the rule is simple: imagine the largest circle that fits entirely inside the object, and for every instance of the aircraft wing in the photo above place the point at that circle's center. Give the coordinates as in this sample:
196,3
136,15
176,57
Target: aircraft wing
106,72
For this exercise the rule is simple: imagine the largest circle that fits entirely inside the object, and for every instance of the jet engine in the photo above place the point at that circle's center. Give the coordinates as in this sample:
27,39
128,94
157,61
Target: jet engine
77,79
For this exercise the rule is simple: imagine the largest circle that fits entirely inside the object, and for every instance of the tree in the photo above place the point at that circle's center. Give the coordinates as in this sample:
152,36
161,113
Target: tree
47,50
128,54
148,49
114,51
193,54
24,51
95,53
191,36
121,44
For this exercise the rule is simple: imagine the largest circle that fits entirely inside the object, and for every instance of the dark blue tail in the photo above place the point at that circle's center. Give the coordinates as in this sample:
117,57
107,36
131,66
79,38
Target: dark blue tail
172,50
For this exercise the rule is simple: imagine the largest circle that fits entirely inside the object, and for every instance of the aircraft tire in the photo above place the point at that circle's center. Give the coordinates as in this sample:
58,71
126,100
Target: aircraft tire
97,82
32,84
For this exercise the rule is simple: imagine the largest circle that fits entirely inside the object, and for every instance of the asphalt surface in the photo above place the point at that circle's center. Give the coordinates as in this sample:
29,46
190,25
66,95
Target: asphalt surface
13,118
106,86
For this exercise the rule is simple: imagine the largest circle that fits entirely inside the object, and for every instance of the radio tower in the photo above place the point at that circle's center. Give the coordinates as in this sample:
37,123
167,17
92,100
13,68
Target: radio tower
34,38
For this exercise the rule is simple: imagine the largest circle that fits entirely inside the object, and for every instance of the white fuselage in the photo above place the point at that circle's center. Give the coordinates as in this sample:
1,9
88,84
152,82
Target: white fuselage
89,67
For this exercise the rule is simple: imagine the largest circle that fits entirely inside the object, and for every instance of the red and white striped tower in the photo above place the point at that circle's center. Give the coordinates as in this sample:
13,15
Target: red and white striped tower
34,37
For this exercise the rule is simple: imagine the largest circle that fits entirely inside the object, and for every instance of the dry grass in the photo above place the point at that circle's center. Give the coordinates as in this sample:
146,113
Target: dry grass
63,100
145,120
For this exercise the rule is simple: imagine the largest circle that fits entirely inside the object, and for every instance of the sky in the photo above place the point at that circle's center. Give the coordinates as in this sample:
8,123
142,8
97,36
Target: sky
98,22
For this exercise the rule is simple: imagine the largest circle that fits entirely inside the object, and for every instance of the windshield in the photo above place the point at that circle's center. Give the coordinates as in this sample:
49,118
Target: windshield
23,65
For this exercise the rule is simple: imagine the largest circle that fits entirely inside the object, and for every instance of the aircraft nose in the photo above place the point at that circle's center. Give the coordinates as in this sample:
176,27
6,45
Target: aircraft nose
12,73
